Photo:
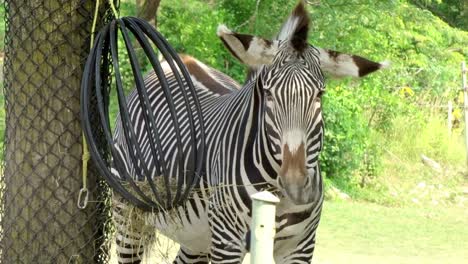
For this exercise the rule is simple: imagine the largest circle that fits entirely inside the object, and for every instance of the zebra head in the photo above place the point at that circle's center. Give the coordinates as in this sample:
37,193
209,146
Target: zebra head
289,71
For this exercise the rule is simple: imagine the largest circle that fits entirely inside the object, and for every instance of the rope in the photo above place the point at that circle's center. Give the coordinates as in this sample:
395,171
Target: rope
93,27
114,10
83,195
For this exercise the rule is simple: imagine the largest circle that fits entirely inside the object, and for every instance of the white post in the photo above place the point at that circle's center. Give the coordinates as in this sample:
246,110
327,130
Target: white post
465,105
263,227
449,118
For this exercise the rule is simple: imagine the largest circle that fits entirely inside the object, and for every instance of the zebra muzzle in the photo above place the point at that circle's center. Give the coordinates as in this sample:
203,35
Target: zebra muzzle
294,180
298,193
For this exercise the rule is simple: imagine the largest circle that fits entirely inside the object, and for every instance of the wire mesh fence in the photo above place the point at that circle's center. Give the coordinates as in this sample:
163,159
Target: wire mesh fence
46,46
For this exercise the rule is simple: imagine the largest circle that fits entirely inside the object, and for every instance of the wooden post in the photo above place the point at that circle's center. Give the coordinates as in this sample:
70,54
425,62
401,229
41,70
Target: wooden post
465,105
449,118
263,227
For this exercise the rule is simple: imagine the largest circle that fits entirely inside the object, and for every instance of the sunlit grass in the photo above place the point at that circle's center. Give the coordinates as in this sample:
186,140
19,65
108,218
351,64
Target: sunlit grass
407,177
353,232
409,139
401,178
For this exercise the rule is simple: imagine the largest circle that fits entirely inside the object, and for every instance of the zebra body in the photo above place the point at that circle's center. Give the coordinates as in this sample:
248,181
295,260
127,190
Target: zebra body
214,205
265,135
210,188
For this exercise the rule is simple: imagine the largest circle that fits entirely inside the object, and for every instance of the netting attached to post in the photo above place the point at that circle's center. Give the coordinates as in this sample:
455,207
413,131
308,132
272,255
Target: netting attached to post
147,158
46,46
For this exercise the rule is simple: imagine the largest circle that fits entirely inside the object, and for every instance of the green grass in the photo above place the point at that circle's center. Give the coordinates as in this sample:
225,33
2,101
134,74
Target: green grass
364,233
353,232
402,170
401,178
410,137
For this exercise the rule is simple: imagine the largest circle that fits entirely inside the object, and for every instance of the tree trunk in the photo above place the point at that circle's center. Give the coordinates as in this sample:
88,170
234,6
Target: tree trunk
47,42
147,10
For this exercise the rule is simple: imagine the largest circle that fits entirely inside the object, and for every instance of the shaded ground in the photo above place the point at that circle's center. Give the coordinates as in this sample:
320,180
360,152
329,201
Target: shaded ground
353,232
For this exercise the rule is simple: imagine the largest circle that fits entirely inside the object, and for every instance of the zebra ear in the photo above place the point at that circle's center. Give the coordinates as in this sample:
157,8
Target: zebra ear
341,65
250,50
296,27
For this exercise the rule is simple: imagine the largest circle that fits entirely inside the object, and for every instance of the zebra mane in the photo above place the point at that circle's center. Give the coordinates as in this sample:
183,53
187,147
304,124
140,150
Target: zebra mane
252,74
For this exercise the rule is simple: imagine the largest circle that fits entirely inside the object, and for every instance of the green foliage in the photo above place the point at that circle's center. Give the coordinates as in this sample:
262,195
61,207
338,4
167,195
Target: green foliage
425,53
190,26
2,26
255,17
454,12
345,134
429,138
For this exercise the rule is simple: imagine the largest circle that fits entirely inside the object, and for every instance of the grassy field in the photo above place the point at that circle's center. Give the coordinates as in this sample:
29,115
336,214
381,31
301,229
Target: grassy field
365,233
352,232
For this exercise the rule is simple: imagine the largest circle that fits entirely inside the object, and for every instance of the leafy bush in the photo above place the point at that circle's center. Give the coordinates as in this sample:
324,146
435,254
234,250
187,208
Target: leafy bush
190,26
346,133
425,53
454,12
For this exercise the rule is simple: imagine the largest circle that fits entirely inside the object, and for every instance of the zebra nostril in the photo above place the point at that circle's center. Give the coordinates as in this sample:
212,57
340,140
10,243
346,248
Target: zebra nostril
280,183
307,181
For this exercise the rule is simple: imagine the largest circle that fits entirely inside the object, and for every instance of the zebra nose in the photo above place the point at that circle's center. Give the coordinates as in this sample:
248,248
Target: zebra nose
298,193
297,186
307,182
293,177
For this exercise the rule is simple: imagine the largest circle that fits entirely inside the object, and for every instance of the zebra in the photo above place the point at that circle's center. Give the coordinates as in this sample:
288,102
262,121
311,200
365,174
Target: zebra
264,135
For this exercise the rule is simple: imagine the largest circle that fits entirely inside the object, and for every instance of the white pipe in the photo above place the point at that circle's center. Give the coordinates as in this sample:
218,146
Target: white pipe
263,227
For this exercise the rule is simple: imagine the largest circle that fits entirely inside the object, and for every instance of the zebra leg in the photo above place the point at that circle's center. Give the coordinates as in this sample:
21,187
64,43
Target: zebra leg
226,252
302,253
185,256
132,234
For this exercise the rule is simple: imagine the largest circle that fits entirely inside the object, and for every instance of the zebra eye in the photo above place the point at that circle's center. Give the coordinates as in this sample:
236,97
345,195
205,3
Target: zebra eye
318,99
320,93
268,96
270,102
